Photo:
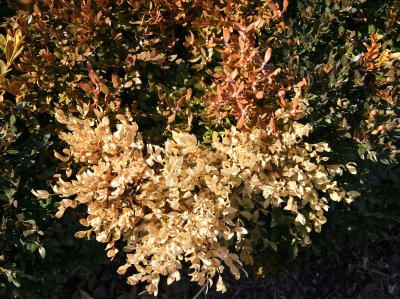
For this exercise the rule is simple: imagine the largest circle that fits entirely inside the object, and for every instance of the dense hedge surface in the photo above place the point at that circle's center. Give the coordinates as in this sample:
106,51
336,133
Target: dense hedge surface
194,138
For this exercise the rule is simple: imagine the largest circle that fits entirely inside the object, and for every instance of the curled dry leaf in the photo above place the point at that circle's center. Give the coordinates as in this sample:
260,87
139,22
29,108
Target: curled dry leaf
41,194
351,167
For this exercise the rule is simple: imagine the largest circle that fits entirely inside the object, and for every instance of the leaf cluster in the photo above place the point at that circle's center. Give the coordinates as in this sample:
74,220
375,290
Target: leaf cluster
187,202
302,81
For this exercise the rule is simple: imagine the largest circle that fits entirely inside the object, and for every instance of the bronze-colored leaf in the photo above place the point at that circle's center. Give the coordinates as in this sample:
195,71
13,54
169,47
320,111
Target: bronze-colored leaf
171,118
104,89
285,4
241,122
267,55
116,80
227,35
86,86
128,84
94,77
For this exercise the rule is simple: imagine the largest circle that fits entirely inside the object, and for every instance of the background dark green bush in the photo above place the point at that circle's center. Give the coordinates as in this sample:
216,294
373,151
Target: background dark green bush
39,256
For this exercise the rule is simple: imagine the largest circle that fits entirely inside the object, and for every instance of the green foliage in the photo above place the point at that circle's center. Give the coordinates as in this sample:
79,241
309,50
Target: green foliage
354,105
37,254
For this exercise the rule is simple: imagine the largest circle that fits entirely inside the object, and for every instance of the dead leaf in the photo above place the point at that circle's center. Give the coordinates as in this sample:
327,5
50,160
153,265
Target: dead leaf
94,78
86,87
268,55
116,80
285,4
241,122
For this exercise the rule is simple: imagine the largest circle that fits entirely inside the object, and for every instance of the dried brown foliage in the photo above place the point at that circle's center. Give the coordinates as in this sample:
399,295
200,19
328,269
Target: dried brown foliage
244,84
188,202
125,52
